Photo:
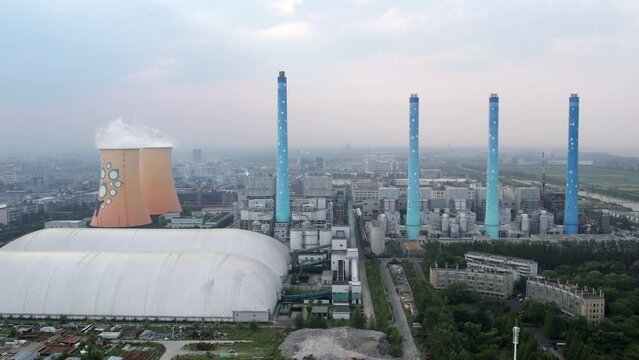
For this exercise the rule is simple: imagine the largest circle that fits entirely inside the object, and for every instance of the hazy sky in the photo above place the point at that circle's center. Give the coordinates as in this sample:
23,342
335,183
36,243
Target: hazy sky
204,72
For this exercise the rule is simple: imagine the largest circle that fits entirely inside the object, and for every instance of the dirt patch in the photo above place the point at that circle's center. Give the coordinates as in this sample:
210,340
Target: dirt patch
336,344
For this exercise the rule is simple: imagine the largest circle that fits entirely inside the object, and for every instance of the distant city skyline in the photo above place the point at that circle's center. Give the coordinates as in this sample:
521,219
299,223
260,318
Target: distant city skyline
206,73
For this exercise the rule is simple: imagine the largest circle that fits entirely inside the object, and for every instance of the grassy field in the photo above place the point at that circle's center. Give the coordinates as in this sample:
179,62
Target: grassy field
264,343
620,179
381,306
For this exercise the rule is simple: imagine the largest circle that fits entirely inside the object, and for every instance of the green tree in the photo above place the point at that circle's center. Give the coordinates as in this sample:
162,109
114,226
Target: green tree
533,312
299,321
552,324
358,319
395,350
458,293
253,326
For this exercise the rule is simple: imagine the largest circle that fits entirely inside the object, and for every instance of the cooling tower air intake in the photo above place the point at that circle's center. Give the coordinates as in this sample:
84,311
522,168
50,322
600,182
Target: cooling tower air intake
120,199
156,176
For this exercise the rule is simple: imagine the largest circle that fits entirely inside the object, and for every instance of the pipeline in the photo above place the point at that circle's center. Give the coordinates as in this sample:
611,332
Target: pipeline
310,295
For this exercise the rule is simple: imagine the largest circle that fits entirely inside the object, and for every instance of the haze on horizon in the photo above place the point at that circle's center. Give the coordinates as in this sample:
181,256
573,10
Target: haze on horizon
205,73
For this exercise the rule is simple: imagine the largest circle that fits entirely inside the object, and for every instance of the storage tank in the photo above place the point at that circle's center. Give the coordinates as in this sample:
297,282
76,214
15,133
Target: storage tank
120,199
354,271
525,224
257,226
445,224
543,223
378,245
156,175
296,236
454,230
463,224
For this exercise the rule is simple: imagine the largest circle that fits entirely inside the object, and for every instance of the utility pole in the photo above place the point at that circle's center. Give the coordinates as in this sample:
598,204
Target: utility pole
515,340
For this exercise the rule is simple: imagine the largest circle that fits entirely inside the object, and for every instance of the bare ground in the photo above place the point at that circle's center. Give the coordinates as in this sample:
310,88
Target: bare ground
336,344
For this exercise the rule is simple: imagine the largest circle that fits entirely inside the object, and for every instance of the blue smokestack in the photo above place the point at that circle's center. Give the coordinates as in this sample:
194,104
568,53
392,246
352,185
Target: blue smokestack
492,169
571,209
282,203
412,205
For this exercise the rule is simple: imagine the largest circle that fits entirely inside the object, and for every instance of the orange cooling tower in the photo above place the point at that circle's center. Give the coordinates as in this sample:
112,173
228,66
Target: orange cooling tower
156,173
120,198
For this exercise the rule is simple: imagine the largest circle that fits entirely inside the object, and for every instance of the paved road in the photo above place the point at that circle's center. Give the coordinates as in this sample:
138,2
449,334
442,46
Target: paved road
410,349
417,263
538,333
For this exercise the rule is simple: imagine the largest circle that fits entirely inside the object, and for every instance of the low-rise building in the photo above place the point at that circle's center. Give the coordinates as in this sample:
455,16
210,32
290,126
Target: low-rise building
488,283
571,299
9,214
519,267
341,312
186,223
65,224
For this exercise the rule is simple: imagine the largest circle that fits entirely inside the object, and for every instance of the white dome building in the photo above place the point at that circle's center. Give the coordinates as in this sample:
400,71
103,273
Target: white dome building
202,275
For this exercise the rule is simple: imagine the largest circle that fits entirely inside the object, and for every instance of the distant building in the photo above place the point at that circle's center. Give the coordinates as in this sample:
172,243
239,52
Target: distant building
9,214
571,299
366,197
487,283
527,199
554,202
380,165
317,186
604,222
197,156
518,267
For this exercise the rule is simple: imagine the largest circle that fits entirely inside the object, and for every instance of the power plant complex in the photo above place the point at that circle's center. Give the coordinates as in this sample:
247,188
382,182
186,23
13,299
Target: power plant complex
123,268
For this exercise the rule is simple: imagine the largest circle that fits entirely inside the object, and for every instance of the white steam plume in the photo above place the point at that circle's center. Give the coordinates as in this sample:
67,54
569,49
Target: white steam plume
119,134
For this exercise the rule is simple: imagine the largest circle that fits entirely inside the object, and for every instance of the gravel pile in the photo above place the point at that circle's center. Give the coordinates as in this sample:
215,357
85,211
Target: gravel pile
336,344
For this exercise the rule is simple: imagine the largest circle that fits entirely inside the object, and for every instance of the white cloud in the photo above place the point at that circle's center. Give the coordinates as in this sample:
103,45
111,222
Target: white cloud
392,21
399,21
284,7
158,69
288,31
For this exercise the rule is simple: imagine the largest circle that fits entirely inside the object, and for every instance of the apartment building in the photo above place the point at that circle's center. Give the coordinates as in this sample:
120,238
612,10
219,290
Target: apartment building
487,283
571,299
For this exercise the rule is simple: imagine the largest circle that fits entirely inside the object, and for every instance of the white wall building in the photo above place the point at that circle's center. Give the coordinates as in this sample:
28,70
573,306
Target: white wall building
519,267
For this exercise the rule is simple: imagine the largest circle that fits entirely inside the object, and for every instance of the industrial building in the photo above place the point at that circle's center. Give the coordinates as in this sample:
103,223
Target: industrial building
571,299
488,283
256,205
135,274
490,262
527,199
